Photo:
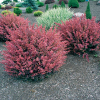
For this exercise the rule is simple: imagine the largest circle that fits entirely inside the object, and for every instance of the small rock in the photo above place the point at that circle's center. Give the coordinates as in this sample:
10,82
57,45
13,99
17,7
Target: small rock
78,14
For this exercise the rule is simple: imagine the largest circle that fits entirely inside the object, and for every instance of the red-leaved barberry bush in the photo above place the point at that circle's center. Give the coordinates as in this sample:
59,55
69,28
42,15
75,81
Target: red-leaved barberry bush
33,51
82,35
12,22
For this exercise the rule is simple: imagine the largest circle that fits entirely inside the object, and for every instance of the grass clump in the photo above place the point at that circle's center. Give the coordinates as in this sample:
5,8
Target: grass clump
51,16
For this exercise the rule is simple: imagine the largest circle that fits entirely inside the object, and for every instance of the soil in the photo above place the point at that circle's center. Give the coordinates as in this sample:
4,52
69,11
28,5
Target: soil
77,79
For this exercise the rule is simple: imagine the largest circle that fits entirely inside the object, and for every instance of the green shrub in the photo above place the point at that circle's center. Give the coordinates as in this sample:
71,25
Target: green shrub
6,12
29,10
49,18
55,6
15,0
88,13
46,7
6,1
62,4
19,5
17,11
40,4
38,13
73,3
81,0
0,6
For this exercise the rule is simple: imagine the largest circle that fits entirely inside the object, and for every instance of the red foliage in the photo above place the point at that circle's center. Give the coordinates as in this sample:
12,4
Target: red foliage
2,7
8,7
49,1
32,51
82,35
65,1
12,22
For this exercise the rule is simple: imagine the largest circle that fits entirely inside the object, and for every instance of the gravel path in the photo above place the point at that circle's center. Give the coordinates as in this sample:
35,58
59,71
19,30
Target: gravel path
76,80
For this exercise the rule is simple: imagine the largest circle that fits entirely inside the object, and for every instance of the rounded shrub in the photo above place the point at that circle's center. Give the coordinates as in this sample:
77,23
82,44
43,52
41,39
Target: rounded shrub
55,6
19,5
38,13
10,21
82,35
17,11
29,10
6,12
33,52
40,4
49,18
73,3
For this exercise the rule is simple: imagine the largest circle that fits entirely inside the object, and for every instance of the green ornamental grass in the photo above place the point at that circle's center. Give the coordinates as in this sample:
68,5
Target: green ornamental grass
51,16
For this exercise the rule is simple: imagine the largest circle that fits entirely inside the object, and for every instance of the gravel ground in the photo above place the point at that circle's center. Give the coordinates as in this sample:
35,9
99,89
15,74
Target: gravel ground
76,80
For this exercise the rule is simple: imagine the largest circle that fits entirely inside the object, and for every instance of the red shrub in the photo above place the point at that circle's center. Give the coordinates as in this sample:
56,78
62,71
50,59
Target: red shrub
33,51
2,7
12,22
49,1
82,35
65,1
8,7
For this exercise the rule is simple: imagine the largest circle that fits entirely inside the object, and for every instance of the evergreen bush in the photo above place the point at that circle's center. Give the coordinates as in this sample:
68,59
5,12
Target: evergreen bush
55,6
29,10
40,4
73,3
17,11
46,7
38,13
19,5
30,3
62,4
15,0
88,13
